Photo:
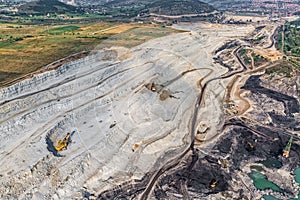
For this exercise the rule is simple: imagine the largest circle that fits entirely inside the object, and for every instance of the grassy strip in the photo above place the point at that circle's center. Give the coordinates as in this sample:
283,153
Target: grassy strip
24,49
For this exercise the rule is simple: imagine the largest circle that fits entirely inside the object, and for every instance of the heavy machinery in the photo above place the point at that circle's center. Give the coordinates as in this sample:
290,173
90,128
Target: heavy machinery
286,151
250,144
62,144
213,183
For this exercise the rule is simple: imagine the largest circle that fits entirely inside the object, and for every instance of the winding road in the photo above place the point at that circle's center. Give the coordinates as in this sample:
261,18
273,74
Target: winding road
175,161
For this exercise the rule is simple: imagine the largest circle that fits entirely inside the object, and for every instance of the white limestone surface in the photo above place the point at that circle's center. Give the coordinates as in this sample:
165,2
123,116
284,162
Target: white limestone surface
121,127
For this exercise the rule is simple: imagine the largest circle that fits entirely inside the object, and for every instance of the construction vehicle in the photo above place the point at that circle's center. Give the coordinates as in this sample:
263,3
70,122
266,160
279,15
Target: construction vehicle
213,183
250,145
286,151
153,87
62,144
223,163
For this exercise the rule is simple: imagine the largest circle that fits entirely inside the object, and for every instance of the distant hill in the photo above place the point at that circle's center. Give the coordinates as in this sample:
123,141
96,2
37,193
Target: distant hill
133,3
179,7
162,7
46,6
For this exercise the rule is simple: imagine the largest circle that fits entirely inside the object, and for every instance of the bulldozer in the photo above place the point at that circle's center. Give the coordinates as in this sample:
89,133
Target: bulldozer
62,144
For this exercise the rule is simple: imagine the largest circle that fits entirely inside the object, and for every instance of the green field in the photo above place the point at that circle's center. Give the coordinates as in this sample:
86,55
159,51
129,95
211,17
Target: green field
291,34
288,42
27,48
61,30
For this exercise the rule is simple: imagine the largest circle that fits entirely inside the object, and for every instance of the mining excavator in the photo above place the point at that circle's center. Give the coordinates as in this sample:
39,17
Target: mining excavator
286,151
213,183
62,144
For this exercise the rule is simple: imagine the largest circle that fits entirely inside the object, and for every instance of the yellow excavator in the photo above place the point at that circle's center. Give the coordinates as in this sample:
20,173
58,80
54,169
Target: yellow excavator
213,183
62,144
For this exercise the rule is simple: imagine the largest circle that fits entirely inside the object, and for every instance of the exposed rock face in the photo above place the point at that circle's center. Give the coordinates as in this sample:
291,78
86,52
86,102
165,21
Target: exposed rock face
291,104
120,129
150,122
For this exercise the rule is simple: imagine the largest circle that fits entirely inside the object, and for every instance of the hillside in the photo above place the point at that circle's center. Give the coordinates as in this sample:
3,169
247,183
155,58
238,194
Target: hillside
46,6
167,7
179,7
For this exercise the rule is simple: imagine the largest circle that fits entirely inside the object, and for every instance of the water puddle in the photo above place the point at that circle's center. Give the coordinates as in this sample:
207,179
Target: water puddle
262,183
297,175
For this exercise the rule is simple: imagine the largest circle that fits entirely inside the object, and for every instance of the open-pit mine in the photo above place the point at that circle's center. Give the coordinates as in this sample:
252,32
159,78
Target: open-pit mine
192,115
